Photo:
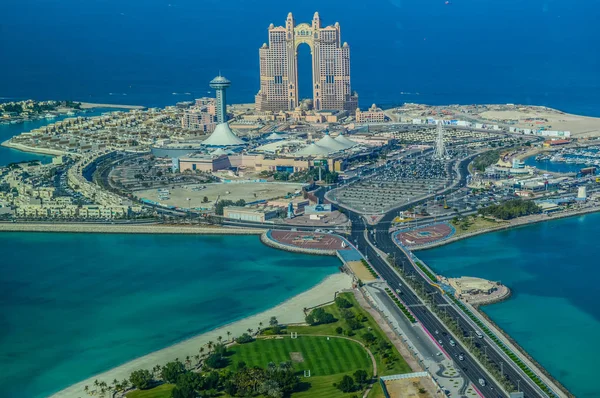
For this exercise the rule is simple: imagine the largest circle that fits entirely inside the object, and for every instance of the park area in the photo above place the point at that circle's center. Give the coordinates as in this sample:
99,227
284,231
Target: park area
205,195
333,357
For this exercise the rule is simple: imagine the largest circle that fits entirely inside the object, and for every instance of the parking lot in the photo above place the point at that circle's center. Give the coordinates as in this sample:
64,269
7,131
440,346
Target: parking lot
396,184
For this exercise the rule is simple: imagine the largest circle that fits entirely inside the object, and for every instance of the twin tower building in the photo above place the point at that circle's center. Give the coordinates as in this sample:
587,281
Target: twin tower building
330,67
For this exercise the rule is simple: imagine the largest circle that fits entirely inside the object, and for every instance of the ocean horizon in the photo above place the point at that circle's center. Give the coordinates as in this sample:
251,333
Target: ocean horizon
465,52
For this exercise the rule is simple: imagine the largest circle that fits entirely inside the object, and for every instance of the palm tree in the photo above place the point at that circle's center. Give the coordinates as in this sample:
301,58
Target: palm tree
197,358
201,350
219,339
210,345
228,334
260,324
250,331
86,389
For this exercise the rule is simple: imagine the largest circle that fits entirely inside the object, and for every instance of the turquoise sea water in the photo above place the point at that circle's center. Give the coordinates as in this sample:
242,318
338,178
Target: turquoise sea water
74,305
552,269
555,167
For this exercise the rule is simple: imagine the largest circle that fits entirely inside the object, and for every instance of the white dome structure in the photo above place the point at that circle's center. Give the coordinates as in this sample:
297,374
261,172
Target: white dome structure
345,141
275,136
220,151
331,144
314,150
223,136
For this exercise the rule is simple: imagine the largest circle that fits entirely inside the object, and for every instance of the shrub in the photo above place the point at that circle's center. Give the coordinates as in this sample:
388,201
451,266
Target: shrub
339,330
244,338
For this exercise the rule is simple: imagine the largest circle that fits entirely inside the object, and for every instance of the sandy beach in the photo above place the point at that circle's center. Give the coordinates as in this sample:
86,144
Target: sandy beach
290,311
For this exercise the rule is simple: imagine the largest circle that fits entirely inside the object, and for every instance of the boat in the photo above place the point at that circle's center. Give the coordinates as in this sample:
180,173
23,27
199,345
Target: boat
49,116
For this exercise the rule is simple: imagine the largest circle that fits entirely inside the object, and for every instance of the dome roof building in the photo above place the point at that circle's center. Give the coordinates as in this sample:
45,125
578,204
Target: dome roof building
345,141
330,143
223,136
314,150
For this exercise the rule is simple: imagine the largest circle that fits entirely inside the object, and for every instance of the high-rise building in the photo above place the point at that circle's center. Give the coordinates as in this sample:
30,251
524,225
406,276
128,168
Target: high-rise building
220,84
330,67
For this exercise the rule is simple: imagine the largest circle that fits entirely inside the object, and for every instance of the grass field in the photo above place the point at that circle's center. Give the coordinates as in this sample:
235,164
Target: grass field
396,367
321,356
328,360
473,224
163,391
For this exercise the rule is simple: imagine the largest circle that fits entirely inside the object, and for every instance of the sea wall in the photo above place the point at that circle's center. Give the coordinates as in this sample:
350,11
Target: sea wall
267,240
125,229
521,350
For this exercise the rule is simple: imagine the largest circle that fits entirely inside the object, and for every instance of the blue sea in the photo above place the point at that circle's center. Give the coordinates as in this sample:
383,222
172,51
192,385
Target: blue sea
552,270
74,305
109,290
542,52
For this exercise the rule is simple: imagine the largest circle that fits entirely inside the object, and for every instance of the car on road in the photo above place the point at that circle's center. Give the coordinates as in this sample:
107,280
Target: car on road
461,357
440,341
478,333
482,382
452,343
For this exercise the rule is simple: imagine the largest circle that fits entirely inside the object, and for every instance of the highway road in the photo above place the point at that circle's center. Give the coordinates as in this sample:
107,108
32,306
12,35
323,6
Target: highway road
379,236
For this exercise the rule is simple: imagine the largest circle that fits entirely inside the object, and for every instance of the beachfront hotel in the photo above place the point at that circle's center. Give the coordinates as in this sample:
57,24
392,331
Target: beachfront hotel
330,67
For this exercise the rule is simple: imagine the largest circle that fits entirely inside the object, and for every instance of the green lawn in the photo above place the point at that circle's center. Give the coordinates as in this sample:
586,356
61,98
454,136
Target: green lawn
162,391
399,366
321,356
322,387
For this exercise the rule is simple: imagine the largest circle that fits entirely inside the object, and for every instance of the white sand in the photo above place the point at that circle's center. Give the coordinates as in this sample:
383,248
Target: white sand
290,311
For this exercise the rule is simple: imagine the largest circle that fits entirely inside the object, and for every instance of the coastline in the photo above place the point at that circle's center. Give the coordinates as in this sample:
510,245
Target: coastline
498,330
41,151
524,221
289,311
91,105
125,229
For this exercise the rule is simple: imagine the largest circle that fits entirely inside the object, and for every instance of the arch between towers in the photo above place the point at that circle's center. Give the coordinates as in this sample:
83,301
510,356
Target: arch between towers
305,34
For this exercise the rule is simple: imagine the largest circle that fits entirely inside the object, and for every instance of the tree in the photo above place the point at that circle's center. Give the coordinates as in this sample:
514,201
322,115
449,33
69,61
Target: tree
189,381
171,371
183,392
216,361
346,385
274,324
318,316
342,302
339,330
140,379
346,314
205,199
244,338
369,337
361,377
353,323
